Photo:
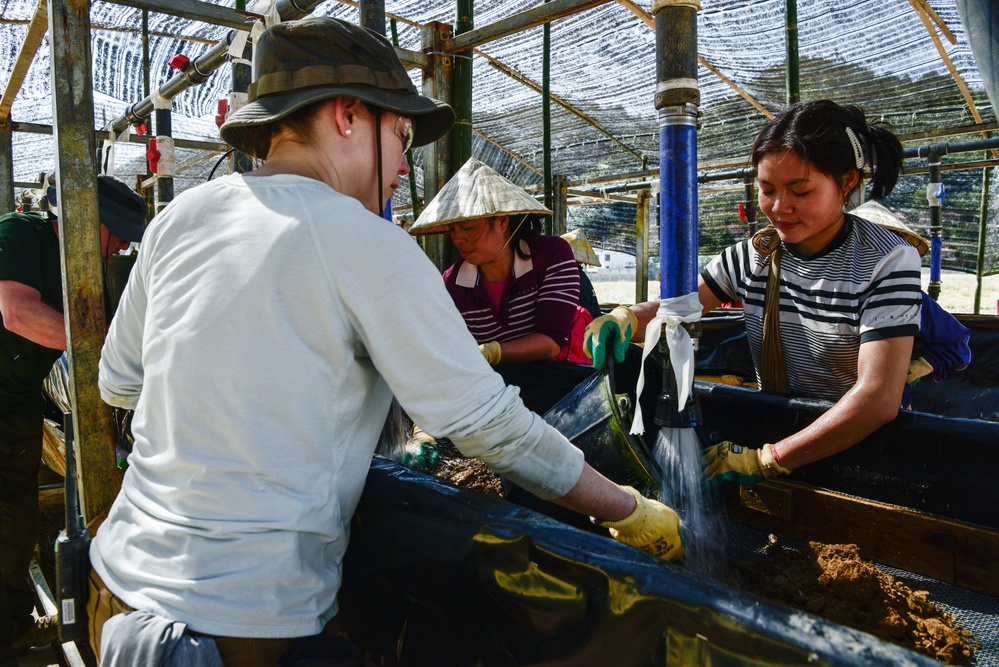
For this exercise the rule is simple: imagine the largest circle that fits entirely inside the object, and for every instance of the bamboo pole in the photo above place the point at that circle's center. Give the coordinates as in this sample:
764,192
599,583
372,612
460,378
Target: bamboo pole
6,167
546,115
29,47
792,63
642,210
461,135
194,10
530,18
559,205
414,196
437,83
507,151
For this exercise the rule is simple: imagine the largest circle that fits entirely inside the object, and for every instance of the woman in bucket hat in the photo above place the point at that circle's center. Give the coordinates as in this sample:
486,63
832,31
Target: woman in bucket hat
261,339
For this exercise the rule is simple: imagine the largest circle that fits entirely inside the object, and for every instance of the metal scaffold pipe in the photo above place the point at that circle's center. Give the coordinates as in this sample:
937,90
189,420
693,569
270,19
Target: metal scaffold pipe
198,70
934,197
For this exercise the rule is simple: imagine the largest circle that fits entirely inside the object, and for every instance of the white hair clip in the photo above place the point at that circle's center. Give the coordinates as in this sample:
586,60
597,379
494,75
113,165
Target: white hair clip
858,151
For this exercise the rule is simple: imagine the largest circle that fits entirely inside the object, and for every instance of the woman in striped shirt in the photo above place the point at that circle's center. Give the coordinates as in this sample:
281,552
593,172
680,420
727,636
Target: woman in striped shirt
832,301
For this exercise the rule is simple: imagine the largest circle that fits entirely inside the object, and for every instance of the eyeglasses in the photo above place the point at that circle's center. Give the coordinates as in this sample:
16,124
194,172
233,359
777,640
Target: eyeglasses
404,128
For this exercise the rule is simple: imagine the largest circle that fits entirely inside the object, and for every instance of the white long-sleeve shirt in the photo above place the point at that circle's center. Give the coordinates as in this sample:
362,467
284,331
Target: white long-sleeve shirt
264,329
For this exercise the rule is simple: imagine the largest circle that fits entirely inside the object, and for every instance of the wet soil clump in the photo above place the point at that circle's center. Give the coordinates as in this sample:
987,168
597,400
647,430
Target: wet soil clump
832,581
466,473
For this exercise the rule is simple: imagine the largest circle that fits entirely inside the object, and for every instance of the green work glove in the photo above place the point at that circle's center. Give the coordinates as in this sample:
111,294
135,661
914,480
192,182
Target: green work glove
420,451
492,352
615,330
651,527
727,462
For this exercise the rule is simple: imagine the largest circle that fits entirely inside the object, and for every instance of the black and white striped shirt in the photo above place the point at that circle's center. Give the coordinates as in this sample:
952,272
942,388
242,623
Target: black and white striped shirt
864,286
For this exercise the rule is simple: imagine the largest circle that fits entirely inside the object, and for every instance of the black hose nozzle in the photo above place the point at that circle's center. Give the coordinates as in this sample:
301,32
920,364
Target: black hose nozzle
668,412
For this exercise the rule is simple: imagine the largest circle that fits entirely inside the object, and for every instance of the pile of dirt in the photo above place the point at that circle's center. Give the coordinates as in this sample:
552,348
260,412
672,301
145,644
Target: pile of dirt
833,582
466,473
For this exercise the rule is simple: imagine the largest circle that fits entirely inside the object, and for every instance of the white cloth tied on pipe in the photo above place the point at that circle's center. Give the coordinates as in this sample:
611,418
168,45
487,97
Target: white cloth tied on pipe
268,9
672,314
160,101
167,165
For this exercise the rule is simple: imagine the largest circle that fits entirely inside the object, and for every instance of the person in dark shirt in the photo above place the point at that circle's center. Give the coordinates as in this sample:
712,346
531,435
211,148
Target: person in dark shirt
584,254
32,337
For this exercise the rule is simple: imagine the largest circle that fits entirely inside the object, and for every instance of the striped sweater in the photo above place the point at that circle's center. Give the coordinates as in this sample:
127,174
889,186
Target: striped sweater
542,297
864,286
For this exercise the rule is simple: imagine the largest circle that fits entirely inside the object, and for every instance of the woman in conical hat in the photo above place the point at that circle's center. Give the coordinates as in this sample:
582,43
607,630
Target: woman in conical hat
516,289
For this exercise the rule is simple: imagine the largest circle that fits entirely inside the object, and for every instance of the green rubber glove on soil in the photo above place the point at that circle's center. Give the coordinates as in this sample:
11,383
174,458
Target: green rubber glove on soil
727,462
613,330
651,527
420,451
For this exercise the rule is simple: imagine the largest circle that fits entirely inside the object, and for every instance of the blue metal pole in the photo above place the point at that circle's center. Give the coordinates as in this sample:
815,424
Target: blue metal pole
678,210
677,100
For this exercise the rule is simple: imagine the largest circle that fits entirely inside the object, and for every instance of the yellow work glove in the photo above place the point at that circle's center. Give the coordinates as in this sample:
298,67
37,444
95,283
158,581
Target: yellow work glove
492,352
728,462
917,369
651,527
614,330
420,451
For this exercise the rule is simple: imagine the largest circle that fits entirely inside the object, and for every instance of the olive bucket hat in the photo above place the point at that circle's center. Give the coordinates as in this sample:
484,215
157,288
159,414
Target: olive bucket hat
300,62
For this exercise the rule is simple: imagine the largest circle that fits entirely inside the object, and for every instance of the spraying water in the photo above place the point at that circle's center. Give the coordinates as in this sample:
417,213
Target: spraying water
678,452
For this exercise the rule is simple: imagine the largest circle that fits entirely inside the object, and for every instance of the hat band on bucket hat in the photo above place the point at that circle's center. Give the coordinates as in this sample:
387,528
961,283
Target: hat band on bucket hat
323,75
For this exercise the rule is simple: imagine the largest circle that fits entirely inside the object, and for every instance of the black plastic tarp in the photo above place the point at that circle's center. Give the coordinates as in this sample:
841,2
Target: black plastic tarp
442,576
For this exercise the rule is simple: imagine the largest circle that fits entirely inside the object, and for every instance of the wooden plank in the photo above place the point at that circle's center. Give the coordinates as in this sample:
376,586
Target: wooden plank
929,545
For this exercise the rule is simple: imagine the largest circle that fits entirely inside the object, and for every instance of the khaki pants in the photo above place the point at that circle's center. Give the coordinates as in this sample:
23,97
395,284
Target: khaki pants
235,651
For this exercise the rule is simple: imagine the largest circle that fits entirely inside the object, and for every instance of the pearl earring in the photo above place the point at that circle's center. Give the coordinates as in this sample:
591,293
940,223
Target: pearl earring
348,131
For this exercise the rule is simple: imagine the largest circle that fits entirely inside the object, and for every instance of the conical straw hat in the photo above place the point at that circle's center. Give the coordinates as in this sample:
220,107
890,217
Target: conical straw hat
581,248
879,215
475,191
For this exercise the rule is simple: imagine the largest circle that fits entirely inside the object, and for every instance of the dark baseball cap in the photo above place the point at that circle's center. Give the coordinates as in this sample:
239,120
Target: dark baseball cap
119,208
300,62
